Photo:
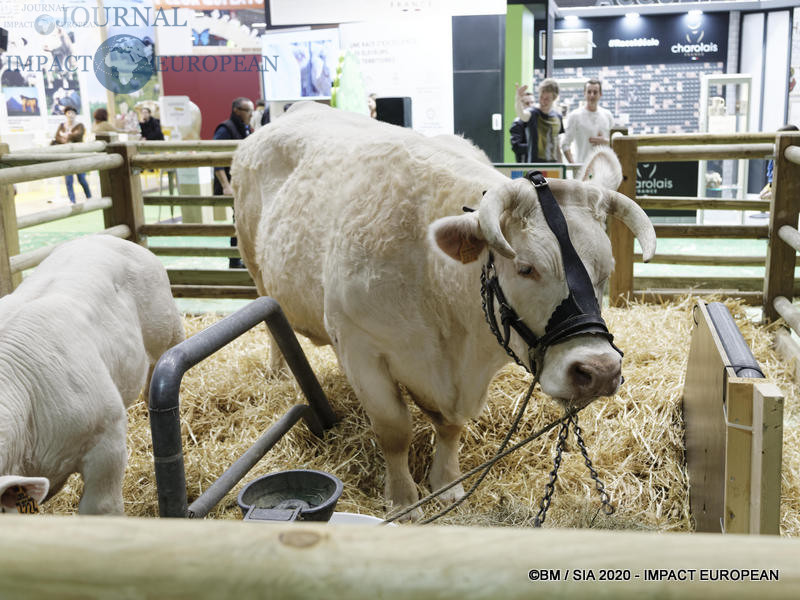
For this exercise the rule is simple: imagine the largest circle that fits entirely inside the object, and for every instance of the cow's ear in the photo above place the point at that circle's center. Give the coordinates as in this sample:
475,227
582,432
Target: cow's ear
458,237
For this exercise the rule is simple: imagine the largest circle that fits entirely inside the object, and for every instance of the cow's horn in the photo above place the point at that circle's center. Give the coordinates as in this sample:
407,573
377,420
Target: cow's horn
493,204
630,213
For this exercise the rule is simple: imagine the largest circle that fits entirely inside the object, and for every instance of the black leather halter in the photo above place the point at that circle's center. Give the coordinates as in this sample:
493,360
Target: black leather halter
578,314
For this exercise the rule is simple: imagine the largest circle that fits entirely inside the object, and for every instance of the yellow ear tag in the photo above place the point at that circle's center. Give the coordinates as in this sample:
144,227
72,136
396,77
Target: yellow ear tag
468,251
25,504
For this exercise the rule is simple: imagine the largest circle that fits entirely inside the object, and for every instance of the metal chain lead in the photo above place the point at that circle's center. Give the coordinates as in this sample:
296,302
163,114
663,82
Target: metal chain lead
605,499
544,504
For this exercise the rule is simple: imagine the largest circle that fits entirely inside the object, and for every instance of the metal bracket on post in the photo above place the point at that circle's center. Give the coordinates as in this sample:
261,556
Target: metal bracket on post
165,414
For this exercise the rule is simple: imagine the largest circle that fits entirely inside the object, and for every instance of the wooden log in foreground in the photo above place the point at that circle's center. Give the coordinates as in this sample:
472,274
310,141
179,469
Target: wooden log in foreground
113,557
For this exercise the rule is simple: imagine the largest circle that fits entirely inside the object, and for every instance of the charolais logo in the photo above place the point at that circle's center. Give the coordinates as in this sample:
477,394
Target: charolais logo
647,184
694,47
643,168
123,64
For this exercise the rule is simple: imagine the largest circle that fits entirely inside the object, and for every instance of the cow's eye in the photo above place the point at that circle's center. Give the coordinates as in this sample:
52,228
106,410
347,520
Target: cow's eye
528,271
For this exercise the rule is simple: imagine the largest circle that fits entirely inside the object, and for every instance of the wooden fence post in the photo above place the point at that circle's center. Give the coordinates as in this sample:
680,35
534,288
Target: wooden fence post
125,189
621,281
9,236
779,274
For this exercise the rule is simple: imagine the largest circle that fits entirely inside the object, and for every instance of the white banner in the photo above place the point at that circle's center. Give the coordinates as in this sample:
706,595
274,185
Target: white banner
408,57
310,12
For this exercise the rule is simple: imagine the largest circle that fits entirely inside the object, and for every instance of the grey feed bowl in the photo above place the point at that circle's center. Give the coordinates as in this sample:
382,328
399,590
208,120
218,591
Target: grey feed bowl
301,495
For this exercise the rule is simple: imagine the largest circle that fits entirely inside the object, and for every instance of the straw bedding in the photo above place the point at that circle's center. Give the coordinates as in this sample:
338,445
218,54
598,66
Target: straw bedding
635,439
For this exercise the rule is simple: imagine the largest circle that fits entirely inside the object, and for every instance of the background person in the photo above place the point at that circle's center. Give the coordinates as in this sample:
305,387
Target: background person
67,132
101,123
236,127
150,126
543,124
519,141
255,120
589,125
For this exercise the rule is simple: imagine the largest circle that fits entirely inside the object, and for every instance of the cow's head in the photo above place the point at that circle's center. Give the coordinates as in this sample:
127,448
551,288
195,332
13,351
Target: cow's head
509,222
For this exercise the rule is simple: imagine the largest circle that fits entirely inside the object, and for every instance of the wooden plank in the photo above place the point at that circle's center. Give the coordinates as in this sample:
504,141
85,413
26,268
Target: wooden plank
704,152
62,212
781,258
789,351
113,557
58,168
9,235
214,291
17,159
182,159
738,452
125,188
188,200
713,231
29,260
792,154
210,277
9,239
703,259
680,203
659,296
701,284
187,145
767,451
674,139
791,236
788,311
620,287
705,423
211,229
225,251
64,148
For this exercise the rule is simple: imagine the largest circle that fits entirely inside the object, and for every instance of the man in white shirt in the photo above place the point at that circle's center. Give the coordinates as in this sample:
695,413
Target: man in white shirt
588,126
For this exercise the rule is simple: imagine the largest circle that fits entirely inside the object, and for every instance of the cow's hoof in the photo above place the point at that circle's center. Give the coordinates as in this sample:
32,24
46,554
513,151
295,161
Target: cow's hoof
411,517
454,493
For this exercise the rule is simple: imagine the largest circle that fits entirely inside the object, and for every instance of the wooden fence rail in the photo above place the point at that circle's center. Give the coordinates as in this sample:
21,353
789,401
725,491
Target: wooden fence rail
786,179
121,163
779,261
784,212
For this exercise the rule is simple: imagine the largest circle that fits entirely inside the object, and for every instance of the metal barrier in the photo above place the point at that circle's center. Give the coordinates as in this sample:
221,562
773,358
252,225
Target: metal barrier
165,407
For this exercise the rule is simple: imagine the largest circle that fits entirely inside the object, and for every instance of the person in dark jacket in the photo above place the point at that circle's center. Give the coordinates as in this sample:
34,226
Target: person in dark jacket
543,123
236,127
150,126
519,140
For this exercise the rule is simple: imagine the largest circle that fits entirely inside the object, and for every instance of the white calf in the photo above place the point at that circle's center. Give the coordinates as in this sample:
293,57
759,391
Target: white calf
77,338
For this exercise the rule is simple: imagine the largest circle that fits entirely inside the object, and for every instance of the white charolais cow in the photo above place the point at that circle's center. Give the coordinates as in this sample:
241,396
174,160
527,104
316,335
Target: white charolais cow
356,228
78,340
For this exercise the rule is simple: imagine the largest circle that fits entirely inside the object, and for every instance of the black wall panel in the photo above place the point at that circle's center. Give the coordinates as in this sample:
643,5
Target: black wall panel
478,61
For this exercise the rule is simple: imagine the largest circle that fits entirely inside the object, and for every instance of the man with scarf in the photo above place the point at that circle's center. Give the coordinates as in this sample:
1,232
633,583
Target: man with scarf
235,128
